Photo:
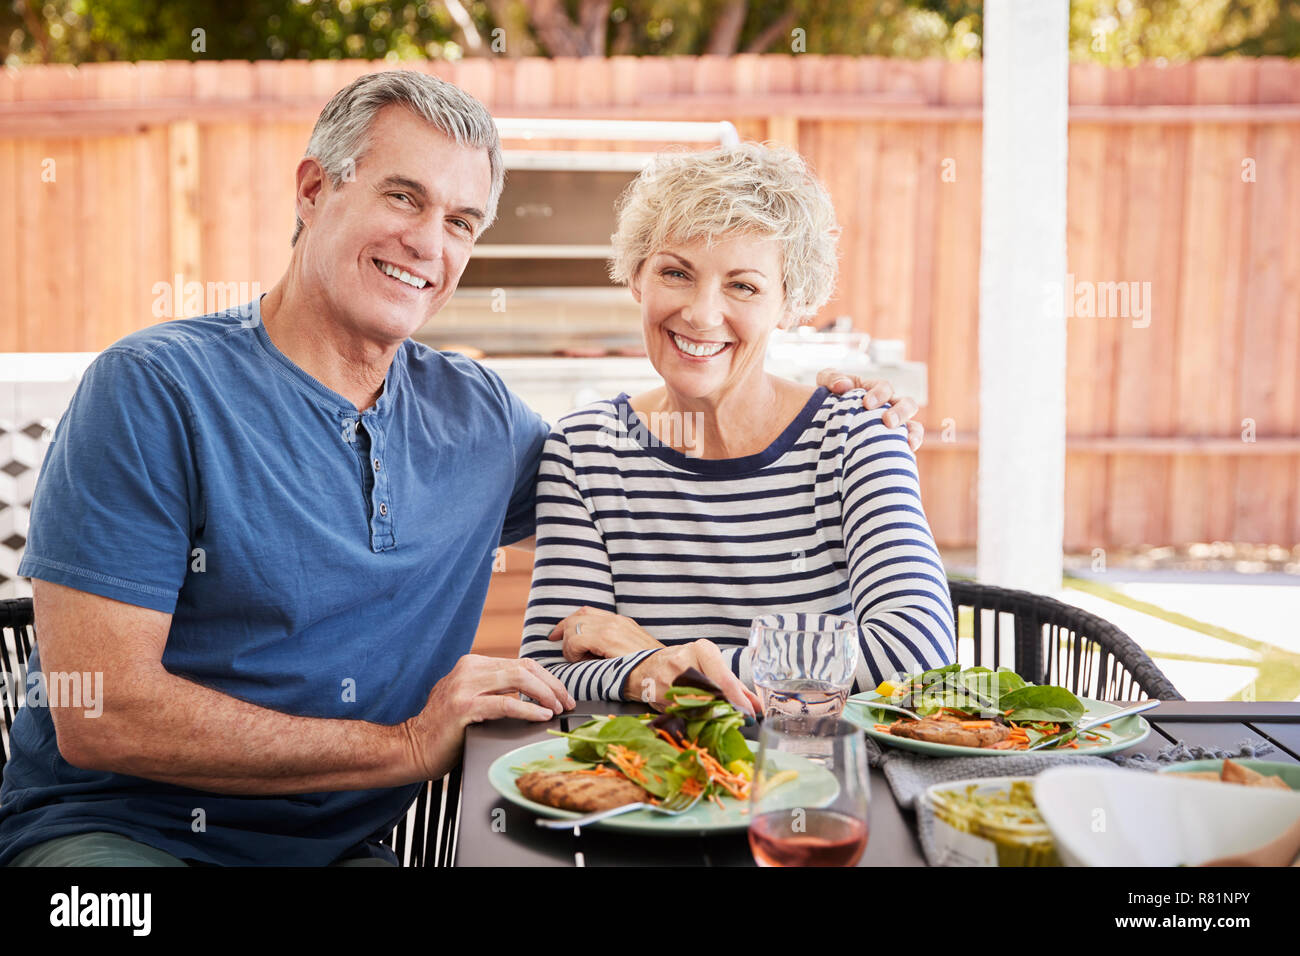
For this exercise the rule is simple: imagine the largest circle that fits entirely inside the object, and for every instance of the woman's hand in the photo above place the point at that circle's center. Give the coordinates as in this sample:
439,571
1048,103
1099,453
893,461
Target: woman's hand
590,633
656,674
903,410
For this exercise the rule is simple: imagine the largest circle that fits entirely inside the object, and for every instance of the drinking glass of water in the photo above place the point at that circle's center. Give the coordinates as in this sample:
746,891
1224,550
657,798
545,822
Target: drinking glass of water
803,664
815,815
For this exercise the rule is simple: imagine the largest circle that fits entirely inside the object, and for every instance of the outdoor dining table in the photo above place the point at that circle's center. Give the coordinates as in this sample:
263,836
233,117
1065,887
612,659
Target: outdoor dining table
491,831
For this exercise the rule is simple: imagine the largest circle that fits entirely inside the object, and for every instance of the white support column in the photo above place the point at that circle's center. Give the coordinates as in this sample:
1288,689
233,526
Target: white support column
1022,324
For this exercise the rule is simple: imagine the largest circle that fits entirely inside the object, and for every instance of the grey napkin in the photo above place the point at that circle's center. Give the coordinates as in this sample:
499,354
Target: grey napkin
909,774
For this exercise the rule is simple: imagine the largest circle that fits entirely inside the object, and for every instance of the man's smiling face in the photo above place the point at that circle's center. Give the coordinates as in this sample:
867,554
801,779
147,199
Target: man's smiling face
417,204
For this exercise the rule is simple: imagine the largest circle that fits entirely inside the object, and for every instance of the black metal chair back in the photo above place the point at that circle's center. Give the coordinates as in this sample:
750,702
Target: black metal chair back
16,637
426,836
1047,641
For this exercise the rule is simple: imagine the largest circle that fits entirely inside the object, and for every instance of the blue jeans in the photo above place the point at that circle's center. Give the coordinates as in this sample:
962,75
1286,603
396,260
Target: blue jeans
113,849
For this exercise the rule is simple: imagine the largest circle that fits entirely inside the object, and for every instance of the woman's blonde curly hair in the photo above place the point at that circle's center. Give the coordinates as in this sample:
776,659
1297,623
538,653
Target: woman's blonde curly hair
753,189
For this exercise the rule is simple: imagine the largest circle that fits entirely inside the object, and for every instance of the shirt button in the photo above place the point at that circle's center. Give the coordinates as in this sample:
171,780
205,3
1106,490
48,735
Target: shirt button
376,464
383,509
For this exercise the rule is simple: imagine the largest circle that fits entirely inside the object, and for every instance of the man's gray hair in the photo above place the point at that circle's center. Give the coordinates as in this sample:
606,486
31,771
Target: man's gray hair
339,139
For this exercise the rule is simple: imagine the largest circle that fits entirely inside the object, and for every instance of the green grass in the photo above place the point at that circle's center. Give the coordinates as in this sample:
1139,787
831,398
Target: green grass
1277,671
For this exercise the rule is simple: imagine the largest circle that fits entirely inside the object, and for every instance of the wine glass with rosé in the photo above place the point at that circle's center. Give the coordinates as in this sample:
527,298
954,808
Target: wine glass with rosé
788,829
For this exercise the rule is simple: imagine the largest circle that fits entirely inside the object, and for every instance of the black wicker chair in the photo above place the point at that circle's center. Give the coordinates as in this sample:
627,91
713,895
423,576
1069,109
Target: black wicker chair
425,836
15,649
1048,642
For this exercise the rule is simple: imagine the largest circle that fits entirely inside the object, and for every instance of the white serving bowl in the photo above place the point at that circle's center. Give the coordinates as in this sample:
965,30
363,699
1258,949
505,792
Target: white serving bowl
1104,817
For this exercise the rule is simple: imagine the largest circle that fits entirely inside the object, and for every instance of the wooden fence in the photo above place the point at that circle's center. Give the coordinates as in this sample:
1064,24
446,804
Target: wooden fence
1183,413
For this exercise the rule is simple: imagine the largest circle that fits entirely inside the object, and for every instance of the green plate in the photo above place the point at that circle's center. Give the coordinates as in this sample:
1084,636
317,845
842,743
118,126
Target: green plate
815,786
1124,733
1289,772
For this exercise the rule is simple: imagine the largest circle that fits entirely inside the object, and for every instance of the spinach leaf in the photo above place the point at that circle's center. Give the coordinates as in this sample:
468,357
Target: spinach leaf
1060,739
1008,680
937,673
695,680
590,741
582,739
1031,702
723,739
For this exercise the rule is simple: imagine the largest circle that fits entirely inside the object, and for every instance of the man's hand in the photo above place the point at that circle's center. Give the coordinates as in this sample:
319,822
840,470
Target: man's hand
477,689
590,633
656,674
903,409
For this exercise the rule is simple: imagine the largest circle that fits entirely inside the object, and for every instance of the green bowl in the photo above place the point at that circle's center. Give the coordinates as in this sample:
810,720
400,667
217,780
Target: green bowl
1290,772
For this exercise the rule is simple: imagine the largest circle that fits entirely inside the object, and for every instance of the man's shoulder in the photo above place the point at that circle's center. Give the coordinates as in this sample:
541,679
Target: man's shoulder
177,344
434,372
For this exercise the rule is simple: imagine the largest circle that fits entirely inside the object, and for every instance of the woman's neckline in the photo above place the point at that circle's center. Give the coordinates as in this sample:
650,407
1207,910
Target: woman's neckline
651,445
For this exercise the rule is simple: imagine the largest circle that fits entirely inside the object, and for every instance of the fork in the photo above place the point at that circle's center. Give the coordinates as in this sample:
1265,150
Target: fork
1096,722
676,805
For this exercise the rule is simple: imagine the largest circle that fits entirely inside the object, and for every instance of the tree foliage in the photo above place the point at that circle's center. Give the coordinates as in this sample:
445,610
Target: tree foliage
1115,32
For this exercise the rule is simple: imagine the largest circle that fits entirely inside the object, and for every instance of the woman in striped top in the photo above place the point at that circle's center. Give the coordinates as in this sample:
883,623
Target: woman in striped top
667,521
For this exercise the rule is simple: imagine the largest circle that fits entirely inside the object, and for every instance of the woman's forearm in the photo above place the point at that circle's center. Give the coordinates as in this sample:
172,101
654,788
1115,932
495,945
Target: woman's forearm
598,679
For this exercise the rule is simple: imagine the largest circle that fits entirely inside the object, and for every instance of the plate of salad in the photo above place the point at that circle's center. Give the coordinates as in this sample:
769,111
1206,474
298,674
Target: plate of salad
980,712
695,746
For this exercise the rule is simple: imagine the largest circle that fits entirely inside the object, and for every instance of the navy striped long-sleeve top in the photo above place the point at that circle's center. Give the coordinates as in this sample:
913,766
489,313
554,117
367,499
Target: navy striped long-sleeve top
827,519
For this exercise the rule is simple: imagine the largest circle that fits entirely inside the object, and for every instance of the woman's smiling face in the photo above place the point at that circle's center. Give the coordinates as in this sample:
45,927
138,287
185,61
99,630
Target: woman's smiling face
707,312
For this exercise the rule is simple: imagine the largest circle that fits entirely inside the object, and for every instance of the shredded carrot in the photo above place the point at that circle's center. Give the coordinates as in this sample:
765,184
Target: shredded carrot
977,723
668,737
736,785
629,761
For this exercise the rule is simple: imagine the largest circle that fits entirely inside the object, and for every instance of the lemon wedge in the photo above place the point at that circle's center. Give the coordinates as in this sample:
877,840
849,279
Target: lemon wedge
886,689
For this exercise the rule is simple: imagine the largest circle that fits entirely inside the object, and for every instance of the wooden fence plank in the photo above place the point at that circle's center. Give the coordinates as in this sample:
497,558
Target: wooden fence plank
1269,391
1198,486
1143,382
1085,475
50,203
11,286
948,486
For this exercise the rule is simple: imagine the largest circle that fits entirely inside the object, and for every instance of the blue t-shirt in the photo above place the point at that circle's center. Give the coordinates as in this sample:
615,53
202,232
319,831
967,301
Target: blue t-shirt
316,561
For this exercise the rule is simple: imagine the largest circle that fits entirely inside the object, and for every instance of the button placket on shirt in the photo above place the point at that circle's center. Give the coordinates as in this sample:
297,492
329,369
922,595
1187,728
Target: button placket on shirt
381,504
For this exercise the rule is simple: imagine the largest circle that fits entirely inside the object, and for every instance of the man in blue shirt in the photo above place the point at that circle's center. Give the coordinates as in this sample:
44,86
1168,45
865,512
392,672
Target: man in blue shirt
269,533
271,529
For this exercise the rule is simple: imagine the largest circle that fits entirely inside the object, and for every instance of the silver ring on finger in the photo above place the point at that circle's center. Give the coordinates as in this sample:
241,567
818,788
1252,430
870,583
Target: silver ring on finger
577,629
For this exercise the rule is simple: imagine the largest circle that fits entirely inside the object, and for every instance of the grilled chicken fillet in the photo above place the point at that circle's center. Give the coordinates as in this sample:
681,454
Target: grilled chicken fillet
579,791
950,732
